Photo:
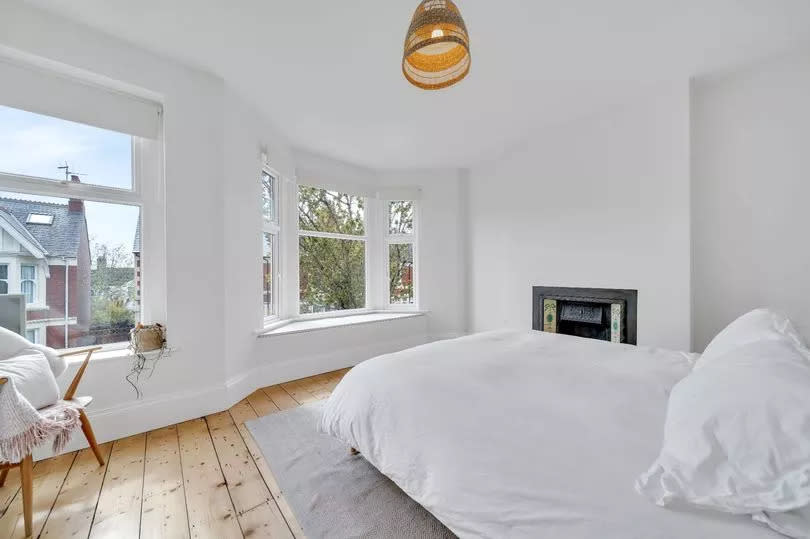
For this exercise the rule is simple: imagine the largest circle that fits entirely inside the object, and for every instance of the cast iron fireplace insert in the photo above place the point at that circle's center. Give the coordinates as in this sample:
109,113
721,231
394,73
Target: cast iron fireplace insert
595,313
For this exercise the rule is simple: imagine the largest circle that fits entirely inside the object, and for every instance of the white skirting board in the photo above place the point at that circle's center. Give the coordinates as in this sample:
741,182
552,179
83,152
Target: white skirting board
134,417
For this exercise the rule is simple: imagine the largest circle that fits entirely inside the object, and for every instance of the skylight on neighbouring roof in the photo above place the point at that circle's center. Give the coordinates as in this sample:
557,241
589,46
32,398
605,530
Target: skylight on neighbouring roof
39,219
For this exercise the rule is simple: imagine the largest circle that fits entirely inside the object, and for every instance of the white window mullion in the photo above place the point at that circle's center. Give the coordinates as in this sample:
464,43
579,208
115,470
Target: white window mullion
332,235
289,264
149,182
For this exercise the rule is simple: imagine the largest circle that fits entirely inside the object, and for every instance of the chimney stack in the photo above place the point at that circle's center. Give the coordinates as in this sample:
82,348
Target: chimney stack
74,204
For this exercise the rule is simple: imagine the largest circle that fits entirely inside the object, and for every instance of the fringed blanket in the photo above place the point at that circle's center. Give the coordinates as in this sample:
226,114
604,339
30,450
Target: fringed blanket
22,428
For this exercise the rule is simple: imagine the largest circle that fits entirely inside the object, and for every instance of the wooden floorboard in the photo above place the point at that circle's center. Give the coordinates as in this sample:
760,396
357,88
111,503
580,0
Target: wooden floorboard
118,514
204,478
256,509
72,514
261,403
10,489
280,398
49,476
240,414
164,502
210,510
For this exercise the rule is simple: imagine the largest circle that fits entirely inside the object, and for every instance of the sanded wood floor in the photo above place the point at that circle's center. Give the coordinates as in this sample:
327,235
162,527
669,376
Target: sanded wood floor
202,478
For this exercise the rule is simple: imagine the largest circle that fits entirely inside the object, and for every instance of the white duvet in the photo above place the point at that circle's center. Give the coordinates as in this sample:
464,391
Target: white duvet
512,434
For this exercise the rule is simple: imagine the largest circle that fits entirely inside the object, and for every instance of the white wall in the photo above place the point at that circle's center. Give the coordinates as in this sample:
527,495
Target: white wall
441,249
751,187
194,212
213,143
601,202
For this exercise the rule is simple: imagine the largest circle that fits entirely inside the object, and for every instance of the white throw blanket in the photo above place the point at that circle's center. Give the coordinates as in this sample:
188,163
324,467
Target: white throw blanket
23,428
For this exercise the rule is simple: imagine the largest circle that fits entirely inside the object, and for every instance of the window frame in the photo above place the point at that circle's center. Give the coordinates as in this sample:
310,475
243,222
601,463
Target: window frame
33,281
401,239
274,229
365,238
147,170
5,280
36,332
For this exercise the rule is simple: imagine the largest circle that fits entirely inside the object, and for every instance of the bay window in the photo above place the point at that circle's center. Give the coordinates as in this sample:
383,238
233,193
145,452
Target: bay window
356,252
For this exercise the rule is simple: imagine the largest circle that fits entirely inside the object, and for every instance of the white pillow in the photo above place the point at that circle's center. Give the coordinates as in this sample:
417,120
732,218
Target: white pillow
32,377
737,435
757,325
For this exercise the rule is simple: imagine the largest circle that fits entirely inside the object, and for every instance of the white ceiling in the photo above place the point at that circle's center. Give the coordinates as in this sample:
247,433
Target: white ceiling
328,73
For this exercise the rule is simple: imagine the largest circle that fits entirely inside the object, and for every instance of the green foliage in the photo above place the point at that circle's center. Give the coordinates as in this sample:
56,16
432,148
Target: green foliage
112,287
332,271
111,312
327,211
400,271
400,217
332,274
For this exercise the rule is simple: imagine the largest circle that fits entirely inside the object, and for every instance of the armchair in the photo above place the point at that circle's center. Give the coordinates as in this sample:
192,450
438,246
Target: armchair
27,464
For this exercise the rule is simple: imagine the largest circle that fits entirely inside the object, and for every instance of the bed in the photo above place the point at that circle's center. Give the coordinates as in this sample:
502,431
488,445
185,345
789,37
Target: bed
524,434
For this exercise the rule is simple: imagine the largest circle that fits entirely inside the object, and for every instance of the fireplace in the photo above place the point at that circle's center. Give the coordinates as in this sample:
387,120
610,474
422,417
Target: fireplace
605,314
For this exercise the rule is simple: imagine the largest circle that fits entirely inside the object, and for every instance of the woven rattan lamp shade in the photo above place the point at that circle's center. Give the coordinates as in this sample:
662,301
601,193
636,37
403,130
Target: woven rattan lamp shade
437,49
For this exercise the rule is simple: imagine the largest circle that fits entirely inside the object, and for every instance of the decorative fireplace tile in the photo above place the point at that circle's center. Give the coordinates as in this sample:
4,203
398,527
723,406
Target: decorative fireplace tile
550,315
616,322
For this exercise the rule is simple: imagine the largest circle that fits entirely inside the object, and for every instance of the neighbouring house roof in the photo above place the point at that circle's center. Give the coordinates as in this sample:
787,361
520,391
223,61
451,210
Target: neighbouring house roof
10,221
61,238
136,243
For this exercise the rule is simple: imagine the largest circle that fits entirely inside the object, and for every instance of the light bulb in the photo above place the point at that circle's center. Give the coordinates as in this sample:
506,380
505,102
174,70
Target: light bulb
437,33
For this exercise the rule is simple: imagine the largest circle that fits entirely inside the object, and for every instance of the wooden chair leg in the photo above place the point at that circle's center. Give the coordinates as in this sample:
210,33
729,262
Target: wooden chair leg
27,474
3,476
91,438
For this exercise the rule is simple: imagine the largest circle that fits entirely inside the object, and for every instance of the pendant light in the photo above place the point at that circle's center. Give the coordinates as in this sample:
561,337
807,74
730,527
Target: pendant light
437,49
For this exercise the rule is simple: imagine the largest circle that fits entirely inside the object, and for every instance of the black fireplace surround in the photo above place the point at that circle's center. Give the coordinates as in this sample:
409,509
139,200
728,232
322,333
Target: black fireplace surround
586,312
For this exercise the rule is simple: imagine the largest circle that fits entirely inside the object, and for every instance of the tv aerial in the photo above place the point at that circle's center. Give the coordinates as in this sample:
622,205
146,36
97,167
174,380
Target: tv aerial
68,172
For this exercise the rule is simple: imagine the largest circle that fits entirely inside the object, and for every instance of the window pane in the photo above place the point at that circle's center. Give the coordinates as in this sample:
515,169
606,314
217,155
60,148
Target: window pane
320,210
27,289
332,274
3,271
400,272
267,275
35,145
97,242
3,287
28,272
268,197
400,217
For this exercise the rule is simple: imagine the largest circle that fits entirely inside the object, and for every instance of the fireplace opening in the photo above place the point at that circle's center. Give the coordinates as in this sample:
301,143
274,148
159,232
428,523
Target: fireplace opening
591,313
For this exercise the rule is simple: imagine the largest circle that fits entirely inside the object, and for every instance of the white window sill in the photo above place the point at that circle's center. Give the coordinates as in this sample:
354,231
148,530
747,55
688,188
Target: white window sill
109,355
291,327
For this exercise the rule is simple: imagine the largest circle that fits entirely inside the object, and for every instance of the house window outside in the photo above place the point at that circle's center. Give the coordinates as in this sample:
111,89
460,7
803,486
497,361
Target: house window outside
270,242
28,283
332,251
83,233
400,242
32,335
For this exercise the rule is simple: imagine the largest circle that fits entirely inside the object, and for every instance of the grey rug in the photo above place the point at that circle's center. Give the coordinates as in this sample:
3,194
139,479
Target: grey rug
332,493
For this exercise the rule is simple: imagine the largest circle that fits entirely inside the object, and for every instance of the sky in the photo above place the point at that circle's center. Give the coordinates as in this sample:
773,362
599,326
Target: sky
35,145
